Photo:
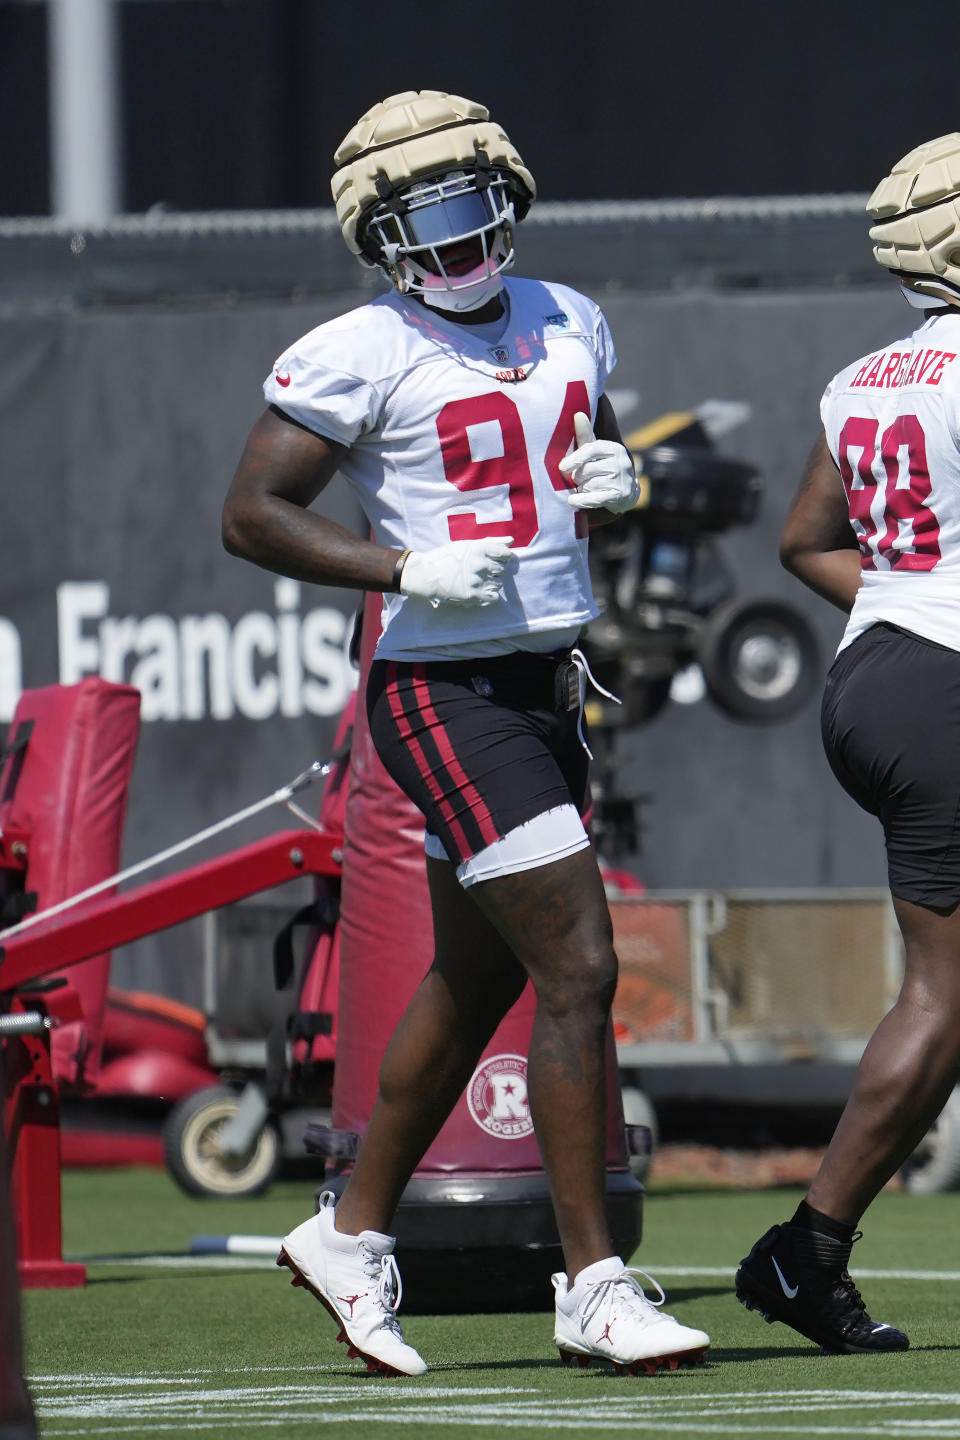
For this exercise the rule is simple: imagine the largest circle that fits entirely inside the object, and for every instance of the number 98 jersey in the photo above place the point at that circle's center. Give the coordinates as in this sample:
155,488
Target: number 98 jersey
456,432
892,422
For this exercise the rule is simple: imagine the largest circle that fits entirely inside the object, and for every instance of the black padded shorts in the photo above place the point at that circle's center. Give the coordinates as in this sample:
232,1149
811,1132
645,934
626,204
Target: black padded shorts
891,729
479,746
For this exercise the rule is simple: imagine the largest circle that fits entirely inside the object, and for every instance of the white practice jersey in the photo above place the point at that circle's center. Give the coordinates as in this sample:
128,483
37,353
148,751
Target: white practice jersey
456,432
892,422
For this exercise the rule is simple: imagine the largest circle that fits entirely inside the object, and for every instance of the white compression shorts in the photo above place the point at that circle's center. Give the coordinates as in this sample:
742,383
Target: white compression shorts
547,837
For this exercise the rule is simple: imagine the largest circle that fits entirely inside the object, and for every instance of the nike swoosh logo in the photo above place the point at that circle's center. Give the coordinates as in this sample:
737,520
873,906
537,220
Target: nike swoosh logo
283,380
789,1290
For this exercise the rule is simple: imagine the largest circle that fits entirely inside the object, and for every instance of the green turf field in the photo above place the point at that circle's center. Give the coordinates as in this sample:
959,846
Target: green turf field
158,1344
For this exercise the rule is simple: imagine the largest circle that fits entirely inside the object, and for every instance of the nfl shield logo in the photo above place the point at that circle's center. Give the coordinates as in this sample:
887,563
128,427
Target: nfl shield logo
500,355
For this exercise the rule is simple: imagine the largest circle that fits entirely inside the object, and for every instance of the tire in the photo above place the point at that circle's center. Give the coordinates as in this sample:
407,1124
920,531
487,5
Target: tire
637,1110
935,1164
194,1155
760,659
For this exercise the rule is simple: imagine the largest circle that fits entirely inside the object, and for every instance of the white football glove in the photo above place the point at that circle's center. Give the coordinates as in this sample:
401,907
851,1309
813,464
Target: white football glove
602,471
465,572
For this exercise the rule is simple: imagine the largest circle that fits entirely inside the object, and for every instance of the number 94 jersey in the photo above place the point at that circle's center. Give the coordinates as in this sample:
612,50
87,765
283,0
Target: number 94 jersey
456,432
892,422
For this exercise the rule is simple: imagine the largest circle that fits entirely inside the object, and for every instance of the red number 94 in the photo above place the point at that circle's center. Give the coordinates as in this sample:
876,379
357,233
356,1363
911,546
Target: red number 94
510,467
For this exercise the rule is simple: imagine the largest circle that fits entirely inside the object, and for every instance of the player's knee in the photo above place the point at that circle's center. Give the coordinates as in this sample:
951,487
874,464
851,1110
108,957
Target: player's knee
603,977
584,986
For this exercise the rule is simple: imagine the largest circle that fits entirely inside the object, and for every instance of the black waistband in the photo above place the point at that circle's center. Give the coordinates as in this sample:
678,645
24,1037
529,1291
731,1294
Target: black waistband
526,676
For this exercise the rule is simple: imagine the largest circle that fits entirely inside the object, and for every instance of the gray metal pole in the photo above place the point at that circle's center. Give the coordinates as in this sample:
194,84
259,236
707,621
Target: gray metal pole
84,133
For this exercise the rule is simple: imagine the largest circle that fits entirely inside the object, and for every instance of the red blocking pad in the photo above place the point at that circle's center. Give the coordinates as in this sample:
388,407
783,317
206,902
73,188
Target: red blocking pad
63,800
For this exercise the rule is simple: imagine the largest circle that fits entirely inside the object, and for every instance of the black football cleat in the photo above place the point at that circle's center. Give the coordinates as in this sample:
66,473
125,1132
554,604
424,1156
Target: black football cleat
800,1276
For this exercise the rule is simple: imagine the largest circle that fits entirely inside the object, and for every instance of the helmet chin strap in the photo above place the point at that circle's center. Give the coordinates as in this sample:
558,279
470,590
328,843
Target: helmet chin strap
469,297
456,293
922,301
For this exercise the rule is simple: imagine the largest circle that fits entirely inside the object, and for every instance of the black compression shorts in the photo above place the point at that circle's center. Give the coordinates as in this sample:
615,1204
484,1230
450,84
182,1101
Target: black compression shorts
479,746
891,729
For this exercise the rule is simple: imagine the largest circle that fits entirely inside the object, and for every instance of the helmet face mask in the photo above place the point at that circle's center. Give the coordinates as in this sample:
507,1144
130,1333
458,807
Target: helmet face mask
452,233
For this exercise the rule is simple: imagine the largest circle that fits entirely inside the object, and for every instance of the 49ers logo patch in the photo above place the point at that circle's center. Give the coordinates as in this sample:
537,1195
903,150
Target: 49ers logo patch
497,1097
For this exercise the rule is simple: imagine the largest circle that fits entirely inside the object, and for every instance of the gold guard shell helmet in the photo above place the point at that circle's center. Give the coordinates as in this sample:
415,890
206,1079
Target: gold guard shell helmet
413,136
916,213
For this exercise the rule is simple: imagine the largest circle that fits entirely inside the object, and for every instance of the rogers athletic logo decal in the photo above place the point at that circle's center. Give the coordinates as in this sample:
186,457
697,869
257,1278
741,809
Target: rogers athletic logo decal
497,1097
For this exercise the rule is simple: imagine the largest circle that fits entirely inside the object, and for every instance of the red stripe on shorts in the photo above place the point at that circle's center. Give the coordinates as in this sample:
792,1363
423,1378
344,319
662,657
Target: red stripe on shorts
416,750
441,739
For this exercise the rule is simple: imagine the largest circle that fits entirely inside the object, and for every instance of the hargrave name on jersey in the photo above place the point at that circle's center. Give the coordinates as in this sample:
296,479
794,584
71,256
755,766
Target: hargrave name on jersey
893,369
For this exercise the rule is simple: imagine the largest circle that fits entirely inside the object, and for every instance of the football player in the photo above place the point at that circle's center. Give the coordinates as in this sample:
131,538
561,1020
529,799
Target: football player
875,528
467,412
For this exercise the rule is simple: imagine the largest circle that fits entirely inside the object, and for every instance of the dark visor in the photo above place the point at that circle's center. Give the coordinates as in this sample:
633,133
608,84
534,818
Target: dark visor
441,221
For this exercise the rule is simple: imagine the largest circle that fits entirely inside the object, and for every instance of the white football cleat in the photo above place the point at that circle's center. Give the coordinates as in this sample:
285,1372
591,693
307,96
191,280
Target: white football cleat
607,1316
356,1278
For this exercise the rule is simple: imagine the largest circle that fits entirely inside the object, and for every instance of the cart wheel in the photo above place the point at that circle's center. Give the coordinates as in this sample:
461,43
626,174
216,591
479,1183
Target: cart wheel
935,1164
760,659
638,1110
195,1157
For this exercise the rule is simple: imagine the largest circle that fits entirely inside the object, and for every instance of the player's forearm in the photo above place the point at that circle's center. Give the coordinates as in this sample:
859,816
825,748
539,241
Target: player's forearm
596,518
834,575
293,541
